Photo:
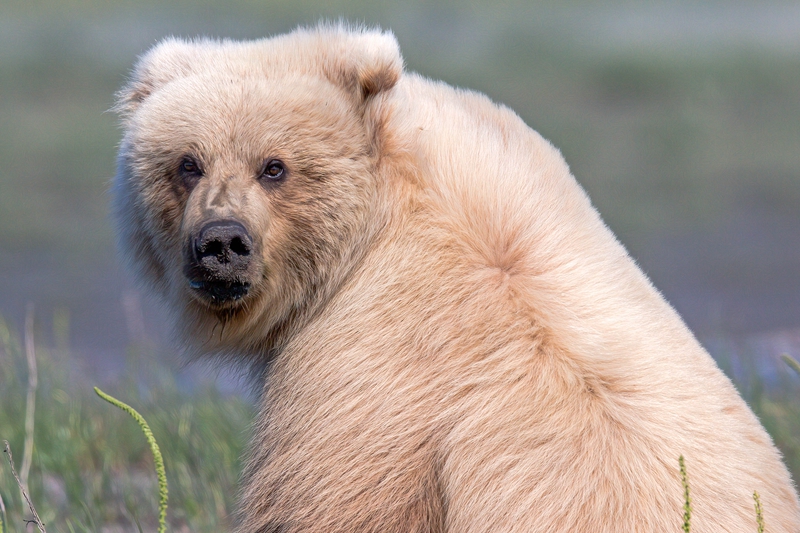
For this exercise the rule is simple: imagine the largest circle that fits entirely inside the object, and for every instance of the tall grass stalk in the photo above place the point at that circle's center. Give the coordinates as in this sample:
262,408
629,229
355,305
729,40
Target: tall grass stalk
30,404
157,458
759,512
687,501
36,520
2,515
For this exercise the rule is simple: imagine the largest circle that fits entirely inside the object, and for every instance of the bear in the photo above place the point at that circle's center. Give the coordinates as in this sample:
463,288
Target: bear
445,335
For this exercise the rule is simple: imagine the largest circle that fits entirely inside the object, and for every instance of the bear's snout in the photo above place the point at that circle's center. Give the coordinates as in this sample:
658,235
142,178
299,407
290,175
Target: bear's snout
223,245
219,259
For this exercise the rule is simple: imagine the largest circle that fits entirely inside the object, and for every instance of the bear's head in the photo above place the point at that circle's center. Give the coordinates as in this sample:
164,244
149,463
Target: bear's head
246,179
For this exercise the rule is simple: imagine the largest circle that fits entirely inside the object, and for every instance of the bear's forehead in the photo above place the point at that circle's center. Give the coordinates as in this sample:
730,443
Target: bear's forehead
243,92
276,57
220,104
228,120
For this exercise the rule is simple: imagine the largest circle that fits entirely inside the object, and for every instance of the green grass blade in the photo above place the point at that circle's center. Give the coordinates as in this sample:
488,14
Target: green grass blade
759,511
157,458
792,362
687,505
89,516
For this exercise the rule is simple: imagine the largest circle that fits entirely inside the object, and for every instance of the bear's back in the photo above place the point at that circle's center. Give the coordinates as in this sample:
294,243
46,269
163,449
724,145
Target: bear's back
640,390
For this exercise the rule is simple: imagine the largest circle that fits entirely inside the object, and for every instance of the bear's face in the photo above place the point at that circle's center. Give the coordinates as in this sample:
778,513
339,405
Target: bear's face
242,188
246,182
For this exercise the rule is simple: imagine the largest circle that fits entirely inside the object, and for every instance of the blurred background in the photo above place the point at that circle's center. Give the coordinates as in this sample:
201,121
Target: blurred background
680,118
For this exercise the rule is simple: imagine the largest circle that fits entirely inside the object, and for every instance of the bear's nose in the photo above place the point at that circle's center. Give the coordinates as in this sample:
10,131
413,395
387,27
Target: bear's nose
223,247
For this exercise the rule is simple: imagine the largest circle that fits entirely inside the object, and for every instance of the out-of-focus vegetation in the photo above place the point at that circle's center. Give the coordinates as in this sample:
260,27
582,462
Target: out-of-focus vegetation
92,469
662,133
680,119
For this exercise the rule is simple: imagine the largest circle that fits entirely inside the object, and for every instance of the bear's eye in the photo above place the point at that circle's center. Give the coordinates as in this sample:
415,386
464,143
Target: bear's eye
273,170
189,166
190,172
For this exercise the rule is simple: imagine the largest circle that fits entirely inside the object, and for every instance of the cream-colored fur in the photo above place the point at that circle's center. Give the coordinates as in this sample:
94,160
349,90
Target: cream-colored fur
451,338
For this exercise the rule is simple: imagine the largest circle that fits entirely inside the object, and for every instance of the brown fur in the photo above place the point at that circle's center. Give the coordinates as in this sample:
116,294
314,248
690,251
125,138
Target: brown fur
456,341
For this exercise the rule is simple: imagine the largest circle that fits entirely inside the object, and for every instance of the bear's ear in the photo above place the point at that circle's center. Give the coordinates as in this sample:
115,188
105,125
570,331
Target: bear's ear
170,59
365,62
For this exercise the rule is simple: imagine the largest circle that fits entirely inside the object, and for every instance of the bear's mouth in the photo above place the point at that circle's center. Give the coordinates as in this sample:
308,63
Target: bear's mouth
220,293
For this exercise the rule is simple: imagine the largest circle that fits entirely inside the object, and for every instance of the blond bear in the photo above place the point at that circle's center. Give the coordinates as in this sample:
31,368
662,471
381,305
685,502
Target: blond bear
447,336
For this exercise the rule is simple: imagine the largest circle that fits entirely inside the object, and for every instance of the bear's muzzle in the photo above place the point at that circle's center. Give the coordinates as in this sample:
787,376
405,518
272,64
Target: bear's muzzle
219,257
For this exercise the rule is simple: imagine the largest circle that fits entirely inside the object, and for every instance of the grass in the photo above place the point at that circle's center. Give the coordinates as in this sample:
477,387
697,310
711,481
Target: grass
759,512
92,470
687,501
23,489
163,493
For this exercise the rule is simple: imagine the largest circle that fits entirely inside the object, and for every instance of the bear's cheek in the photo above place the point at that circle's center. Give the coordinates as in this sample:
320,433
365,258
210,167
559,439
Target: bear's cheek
164,213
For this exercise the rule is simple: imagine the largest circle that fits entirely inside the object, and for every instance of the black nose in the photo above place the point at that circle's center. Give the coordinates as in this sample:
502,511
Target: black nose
222,249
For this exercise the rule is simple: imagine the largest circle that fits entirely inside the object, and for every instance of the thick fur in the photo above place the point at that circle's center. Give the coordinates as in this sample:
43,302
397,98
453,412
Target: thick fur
455,340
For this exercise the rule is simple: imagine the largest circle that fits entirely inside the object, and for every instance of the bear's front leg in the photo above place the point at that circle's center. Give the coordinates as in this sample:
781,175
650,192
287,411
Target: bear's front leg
396,491
334,454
